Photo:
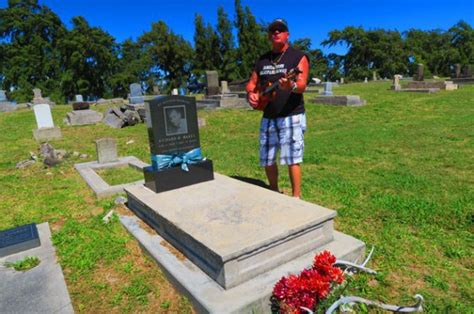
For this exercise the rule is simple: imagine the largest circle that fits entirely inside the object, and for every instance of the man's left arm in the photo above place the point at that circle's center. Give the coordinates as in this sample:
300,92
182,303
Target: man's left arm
299,86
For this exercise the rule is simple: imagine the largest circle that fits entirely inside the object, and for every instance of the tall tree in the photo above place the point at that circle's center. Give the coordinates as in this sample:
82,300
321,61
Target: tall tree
170,54
252,40
375,50
462,39
134,65
88,55
29,33
227,52
318,64
206,46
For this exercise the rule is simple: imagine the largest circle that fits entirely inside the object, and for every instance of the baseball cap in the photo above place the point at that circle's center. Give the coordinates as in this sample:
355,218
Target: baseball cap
278,24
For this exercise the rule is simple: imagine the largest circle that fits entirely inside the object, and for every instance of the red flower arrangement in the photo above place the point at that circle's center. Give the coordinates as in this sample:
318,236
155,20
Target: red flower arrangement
309,287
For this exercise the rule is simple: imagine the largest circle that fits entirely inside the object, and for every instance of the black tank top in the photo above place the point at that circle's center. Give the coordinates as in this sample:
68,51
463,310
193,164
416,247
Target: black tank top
270,68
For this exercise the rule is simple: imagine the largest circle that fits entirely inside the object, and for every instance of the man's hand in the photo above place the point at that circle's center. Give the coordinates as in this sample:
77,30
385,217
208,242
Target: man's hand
285,84
253,99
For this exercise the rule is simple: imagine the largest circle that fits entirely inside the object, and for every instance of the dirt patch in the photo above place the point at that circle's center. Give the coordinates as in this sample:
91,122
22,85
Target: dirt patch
173,250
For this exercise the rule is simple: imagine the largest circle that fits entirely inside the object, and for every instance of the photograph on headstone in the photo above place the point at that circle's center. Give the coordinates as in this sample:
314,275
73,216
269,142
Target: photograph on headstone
175,120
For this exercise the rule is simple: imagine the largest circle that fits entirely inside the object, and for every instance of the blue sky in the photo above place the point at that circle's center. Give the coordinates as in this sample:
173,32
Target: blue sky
314,19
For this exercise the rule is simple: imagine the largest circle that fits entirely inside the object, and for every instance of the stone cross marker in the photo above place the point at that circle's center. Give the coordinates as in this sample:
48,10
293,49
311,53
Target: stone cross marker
43,116
419,73
136,94
79,98
106,150
37,93
327,89
3,96
173,135
212,81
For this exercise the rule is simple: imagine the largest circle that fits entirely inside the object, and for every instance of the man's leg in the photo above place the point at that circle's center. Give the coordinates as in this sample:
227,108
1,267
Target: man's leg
295,177
272,175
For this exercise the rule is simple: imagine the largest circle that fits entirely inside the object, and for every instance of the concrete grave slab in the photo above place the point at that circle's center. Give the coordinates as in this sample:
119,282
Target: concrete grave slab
98,185
233,230
49,134
251,296
346,100
41,289
83,117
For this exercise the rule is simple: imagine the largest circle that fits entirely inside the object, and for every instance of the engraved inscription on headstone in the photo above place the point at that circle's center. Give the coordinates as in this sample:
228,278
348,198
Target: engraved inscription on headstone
43,116
18,239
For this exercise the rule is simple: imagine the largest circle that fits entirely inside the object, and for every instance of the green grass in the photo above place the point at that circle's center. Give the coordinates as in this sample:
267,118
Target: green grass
24,264
398,171
120,175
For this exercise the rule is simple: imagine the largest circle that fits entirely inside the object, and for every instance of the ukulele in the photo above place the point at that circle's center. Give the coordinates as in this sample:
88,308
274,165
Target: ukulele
267,91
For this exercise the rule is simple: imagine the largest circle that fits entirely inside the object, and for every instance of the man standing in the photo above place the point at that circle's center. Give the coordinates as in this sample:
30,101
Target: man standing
284,121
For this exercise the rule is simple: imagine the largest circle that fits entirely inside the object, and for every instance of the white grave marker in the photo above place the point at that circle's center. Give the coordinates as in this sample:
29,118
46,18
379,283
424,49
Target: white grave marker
44,119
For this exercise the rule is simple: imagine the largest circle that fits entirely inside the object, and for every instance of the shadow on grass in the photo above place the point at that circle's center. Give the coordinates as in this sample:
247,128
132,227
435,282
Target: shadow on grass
256,182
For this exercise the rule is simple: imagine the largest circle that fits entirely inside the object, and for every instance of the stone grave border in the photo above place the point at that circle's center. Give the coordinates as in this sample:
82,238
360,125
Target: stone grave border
41,289
208,296
98,185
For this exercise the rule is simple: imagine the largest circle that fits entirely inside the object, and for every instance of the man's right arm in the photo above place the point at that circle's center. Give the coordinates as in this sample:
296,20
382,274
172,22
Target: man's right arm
252,95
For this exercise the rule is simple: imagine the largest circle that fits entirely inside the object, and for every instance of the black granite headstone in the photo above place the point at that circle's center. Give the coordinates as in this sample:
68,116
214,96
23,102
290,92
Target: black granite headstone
18,239
173,130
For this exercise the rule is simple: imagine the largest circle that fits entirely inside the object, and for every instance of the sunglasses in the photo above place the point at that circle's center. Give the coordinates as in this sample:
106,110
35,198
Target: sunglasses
279,29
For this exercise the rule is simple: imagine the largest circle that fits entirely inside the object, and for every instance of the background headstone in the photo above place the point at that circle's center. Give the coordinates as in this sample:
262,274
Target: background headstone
374,75
3,96
457,70
174,91
106,150
396,82
43,116
327,89
136,94
342,80
366,80
225,87
37,93
79,98
156,90
419,73
212,83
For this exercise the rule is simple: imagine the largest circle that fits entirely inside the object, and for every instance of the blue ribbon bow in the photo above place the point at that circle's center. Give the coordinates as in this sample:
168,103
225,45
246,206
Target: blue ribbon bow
160,162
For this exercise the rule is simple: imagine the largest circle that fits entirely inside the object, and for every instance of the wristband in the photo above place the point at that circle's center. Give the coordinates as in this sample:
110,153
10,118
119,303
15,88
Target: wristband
295,86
